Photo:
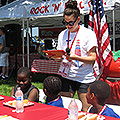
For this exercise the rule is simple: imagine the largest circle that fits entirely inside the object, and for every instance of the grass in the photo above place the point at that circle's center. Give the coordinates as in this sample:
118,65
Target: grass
37,80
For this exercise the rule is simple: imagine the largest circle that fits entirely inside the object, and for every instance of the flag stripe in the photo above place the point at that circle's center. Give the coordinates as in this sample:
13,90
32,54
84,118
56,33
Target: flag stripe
105,45
104,28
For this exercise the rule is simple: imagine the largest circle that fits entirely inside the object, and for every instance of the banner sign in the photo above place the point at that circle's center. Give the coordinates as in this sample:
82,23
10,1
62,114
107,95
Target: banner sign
54,7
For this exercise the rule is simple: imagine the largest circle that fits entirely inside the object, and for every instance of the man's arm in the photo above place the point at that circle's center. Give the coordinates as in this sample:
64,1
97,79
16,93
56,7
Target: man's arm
1,47
34,95
12,92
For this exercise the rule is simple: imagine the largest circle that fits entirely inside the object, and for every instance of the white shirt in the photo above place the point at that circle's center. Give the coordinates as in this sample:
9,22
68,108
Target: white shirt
85,40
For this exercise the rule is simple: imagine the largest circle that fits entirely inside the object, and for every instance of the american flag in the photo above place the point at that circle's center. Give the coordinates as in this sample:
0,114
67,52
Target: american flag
97,22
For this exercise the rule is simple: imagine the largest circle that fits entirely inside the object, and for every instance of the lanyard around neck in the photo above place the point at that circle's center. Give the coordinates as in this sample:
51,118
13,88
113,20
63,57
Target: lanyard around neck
73,39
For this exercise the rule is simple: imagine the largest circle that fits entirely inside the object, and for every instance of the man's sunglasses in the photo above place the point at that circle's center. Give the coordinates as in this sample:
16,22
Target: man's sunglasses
22,80
71,23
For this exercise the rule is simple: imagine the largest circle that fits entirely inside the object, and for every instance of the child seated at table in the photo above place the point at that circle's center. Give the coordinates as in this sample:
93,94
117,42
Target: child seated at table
98,93
24,77
52,86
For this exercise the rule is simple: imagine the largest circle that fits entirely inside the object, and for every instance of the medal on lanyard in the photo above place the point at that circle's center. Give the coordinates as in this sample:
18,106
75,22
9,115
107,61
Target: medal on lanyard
68,49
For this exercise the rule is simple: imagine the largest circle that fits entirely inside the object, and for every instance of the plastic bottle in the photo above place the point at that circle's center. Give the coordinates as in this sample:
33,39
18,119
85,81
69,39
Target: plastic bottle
19,100
73,110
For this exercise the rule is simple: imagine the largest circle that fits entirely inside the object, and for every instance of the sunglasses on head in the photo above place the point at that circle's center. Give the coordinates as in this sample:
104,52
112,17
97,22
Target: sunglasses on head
71,23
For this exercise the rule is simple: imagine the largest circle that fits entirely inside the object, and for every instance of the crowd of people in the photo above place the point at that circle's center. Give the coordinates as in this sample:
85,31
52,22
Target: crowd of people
80,45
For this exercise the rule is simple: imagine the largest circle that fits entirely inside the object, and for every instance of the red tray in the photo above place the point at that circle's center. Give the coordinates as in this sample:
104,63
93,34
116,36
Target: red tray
55,53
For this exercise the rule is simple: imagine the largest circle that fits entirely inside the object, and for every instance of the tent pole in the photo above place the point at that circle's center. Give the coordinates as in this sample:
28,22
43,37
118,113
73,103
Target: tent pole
114,29
23,43
28,43
31,31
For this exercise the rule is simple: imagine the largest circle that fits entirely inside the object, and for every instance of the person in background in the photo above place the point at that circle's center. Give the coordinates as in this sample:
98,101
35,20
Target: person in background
30,92
80,44
3,55
98,93
52,86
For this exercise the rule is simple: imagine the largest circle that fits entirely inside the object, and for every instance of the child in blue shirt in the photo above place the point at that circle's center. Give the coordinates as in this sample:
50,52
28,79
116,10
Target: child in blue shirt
52,86
98,93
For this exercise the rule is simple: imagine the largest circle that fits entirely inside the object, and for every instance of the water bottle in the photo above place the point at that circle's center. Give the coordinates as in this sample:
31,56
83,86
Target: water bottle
19,100
73,110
